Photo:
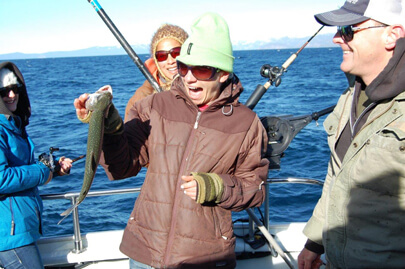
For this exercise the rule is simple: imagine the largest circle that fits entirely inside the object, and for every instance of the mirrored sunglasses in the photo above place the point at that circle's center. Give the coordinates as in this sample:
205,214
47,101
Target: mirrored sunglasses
200,72
347,32
162,55
5,91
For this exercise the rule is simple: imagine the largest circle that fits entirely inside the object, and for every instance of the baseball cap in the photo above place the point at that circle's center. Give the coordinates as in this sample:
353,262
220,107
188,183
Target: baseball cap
355,11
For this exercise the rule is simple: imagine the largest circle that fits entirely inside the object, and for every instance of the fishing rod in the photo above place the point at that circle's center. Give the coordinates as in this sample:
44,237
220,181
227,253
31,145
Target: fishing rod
78,158
274,74
269,237
125,45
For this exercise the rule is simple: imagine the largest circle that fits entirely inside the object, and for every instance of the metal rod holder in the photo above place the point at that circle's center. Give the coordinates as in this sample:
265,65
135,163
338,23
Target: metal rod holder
78,241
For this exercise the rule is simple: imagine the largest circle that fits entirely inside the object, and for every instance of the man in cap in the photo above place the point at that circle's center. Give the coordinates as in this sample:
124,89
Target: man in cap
204,152
360,218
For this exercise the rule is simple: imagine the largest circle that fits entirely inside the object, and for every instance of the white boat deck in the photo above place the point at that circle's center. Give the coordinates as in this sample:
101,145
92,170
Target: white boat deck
101,249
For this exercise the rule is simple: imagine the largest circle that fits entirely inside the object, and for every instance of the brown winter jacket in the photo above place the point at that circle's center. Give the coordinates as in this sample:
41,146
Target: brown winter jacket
167,132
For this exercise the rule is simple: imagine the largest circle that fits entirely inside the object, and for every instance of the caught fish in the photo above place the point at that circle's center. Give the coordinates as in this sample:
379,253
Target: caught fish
97,104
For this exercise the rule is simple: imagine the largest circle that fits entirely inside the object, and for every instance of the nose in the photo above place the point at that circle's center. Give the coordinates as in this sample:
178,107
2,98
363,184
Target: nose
11,94
189,77
170,60
337,38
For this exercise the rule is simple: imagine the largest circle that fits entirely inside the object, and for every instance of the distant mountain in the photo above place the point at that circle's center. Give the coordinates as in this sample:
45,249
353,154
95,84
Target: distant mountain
93,51
324,40
320,41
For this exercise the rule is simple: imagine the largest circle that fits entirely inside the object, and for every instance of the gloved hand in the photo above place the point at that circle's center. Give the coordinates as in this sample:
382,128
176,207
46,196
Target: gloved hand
210,187
113,124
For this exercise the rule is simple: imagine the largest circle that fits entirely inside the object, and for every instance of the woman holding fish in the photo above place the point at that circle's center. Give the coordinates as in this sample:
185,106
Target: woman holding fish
203,150
20,175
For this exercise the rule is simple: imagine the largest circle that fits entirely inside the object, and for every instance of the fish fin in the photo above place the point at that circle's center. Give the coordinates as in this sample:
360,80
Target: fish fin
94,162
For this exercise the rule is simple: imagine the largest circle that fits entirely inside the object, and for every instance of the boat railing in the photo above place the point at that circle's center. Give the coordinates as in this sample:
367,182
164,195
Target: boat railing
78,241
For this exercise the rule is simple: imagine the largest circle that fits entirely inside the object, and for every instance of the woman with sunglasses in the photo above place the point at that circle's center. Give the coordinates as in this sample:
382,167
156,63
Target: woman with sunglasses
20,176
359,220
203,150
164,48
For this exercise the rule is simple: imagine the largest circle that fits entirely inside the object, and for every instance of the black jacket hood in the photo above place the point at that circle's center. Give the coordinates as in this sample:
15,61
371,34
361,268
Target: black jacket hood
23,110
390,82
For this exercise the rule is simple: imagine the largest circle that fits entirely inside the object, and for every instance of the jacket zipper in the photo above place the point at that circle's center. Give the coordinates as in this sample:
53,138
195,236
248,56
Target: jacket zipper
12,217
177,193
353,123
197,120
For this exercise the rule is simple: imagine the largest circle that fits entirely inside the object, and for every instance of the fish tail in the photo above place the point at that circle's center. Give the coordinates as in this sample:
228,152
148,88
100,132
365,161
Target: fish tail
59,222
68,211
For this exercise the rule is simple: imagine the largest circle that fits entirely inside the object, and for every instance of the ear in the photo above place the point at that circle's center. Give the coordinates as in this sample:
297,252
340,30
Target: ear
395,32
224,76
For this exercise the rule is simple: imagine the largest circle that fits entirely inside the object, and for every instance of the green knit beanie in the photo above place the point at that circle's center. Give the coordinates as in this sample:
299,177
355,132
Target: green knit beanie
209,44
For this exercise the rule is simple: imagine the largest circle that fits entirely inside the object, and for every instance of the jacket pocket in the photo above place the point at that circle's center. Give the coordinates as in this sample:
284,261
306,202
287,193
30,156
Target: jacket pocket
223,223
330,124
217,225
381,163
25,215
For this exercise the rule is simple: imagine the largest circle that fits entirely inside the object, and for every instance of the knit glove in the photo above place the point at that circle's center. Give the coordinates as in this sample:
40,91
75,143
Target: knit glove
113,124
210,187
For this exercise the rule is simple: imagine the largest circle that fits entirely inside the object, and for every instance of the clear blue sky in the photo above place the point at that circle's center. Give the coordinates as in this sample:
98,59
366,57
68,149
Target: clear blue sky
30,26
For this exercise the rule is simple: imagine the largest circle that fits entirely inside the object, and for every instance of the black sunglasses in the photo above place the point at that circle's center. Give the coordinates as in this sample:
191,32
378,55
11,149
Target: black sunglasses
5,91
347,32
200,72
162,55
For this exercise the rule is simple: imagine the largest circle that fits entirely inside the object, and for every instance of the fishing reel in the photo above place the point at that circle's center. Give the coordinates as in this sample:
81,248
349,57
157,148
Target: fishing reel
280,132
49,159
273,73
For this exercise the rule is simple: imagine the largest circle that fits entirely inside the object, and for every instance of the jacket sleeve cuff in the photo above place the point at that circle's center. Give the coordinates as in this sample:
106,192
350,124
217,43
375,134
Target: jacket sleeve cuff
314,247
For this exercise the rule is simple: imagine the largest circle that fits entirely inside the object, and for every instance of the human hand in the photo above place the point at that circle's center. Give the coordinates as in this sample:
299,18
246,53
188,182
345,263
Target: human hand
189,187
80,105
65,165
309,260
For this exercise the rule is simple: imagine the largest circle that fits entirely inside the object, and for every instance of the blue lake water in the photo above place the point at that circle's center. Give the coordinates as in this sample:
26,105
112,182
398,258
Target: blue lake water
312,82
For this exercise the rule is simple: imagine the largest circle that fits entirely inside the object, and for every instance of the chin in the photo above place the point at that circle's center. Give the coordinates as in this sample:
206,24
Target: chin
344,68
